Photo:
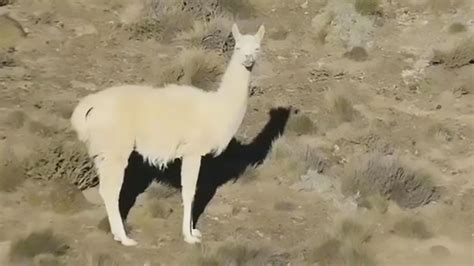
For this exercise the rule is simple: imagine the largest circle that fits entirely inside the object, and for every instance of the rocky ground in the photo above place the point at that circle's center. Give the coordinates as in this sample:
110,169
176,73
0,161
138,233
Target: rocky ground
363,111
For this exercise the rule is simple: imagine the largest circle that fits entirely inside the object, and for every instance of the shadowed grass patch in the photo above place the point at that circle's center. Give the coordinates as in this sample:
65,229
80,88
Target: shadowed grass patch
41,242
11,175
412,228
367,7
341,106
66,198
241,9
389,177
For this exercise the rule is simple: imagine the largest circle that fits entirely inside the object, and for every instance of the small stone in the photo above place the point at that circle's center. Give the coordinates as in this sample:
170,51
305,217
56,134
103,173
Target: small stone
438,106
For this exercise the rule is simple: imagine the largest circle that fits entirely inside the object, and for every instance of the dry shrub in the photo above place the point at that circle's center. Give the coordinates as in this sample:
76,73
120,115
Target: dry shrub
195,67
367,7
386,175
212,35
66,198
375,202
230,254
412,228
301,125
357,53
457,27
461,55
292,158
63,160
348,246
40,242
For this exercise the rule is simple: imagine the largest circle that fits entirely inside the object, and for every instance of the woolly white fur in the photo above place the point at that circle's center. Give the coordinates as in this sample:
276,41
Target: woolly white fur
163,124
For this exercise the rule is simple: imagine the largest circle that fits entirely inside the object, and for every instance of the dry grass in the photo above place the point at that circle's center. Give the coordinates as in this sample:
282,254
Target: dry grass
461,55
40,242
367,7
341,106
357,53
390,177
301,125
412,228
196,67
11,175
457,27
375,202
348,246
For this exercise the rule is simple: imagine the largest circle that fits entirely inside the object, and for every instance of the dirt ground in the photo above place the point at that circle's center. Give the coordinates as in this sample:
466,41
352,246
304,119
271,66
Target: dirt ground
364,112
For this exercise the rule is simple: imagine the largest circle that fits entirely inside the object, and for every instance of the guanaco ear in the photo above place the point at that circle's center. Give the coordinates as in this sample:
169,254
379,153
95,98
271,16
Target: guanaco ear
260,33
235,31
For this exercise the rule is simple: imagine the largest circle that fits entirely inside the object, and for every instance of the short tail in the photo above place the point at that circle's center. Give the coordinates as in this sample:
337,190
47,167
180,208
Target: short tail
80,115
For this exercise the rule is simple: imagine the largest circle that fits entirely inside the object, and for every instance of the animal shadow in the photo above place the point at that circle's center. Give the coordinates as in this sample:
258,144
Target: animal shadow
214,171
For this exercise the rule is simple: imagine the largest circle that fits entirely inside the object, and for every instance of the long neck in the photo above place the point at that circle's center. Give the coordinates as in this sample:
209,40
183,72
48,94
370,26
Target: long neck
235,82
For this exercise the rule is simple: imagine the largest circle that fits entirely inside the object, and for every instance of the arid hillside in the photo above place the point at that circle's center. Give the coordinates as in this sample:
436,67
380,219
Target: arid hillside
357,147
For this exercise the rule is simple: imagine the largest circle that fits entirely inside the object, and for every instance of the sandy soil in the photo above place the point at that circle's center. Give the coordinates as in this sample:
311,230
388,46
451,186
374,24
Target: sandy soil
374,165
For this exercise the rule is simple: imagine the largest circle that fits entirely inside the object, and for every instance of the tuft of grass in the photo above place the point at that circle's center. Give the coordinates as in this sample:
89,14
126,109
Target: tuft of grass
41,242
341,106
66,198
461,55
301,125
390,178
357,53
411,227
367,7
457,27
195,67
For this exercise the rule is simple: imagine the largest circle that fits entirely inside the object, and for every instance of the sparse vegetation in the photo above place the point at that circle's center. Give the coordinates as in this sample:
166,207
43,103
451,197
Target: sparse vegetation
11,175
210,35
412,228
242,9
367,7
40,242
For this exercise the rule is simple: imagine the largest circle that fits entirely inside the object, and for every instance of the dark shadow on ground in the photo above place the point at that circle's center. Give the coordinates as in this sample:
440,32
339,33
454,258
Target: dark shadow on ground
214,172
